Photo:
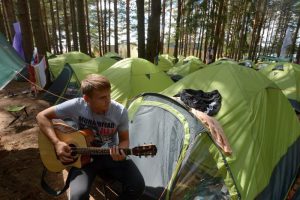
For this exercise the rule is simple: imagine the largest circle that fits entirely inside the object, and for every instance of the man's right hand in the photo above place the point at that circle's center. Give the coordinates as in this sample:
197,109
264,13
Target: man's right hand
63,152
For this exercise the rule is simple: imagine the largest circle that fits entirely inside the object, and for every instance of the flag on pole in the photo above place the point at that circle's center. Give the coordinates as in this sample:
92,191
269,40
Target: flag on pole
17,43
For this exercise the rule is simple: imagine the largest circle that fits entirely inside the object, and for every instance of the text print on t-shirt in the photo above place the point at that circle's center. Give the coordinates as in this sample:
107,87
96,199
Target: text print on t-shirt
101,128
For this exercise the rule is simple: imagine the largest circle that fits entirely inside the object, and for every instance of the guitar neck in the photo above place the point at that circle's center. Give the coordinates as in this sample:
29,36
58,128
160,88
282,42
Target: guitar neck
96,151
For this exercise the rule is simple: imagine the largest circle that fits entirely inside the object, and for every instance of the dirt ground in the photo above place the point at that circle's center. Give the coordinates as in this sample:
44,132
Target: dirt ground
20,163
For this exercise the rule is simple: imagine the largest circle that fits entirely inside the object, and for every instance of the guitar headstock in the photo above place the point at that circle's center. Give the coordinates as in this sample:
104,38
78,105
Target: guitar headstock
145,150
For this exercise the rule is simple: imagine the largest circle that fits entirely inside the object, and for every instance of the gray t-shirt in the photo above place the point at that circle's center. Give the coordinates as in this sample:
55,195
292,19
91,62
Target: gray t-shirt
105,126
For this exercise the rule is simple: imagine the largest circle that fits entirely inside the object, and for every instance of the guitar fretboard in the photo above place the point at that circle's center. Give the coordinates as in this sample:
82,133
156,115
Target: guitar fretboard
96,151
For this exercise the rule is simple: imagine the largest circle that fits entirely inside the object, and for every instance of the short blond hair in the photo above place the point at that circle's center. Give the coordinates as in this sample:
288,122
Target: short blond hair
94,82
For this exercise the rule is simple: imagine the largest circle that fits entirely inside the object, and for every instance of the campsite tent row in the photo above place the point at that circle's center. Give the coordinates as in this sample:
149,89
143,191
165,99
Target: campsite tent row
129,77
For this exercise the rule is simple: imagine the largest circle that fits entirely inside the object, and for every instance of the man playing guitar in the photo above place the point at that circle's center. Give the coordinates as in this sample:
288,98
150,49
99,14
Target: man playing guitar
109,122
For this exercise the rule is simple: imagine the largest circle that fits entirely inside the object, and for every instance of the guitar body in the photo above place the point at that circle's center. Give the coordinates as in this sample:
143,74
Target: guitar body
79,141
70,136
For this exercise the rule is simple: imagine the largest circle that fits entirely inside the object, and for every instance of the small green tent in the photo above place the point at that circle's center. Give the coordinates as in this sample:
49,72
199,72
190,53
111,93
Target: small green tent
191,66
287,77
66,86
50,55
225,60
93,66
132,76
261,127
163,63
113,55
260,65
169,57
10,64
246,63
57,64
183,168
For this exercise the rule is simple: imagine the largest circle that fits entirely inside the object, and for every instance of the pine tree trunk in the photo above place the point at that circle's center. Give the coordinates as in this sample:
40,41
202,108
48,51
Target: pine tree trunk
99,28
105,28
182,28
262,19
4,21
163,23
116,25
242,39
37,26
293,47
45,19
109,29
54,36
201,43
141,28
102,27
27,37
224,19
206,34
190,44
9,13
177,28
218,29
213,22
66,21
88,28
74,24
149,8
128,28
2,25
198,51
58,26
298,55
81,27
153,31
237,31
170,24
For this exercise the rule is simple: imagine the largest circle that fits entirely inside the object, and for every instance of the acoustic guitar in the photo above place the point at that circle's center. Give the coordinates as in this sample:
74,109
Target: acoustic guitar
81,150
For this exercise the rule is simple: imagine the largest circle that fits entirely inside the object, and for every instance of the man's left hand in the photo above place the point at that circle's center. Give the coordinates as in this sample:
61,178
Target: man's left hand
117,154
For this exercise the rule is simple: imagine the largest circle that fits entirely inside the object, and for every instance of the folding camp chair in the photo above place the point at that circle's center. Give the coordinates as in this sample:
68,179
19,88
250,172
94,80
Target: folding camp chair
17,111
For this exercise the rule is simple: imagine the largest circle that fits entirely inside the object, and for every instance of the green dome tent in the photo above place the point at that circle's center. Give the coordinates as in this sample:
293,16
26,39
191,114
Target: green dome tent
261,128
187,68
226,61
56,64
132,76
183,145
169,57
163,63
93,66
50,55
113,55
260,65
287,77
246,63
11,63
